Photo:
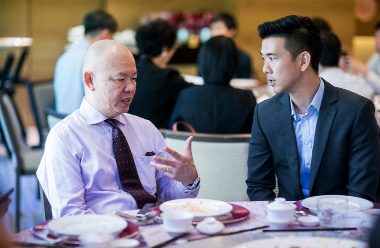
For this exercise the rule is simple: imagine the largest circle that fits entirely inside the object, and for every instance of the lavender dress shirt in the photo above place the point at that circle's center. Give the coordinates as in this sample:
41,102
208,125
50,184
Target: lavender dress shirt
78,172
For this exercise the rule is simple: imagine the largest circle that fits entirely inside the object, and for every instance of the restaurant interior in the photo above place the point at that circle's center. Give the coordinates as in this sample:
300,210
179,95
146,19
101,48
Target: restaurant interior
39,31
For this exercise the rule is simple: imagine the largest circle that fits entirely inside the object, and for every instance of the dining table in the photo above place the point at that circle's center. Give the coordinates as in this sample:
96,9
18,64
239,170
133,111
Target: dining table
245,228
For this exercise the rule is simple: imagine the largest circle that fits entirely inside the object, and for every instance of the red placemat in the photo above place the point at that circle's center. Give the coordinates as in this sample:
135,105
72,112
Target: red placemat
42,232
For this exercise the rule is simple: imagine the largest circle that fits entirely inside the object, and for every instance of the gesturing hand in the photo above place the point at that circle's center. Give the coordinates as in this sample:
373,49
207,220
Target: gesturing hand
182,168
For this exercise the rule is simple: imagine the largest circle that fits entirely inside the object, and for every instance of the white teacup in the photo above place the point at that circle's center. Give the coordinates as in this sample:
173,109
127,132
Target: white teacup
177,221
370,216
280,212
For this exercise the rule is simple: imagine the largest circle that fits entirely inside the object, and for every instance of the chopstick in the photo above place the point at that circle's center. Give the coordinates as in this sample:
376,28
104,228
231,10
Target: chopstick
231,233
311,229
171,240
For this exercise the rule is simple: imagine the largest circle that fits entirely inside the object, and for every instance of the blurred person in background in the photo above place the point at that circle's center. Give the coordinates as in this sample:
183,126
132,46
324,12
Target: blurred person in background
68,78
374,62
158,86
216,107
321,24
225,24
330,71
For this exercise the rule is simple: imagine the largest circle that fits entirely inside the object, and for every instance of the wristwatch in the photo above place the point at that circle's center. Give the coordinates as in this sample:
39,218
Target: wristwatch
195,183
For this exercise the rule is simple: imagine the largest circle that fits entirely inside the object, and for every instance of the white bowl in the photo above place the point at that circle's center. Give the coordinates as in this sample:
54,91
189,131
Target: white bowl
177,221
308,220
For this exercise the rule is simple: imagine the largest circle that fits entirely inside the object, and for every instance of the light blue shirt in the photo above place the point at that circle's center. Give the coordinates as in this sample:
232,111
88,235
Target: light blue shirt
304,129
68,78
78,171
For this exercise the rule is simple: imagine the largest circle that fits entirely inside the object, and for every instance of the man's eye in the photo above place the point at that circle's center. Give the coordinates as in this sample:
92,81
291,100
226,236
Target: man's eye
134,79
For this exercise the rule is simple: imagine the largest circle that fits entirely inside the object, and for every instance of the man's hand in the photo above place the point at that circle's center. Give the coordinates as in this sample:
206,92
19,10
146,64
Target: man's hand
182,168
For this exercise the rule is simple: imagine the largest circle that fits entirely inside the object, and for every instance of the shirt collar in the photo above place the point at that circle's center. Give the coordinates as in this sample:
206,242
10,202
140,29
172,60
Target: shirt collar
316,102
93,116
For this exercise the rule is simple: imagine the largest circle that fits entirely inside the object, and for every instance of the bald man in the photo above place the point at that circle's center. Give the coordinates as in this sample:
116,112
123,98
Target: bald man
79,172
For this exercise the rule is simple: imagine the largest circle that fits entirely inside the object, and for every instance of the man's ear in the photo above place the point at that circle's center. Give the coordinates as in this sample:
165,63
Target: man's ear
88,78
305,60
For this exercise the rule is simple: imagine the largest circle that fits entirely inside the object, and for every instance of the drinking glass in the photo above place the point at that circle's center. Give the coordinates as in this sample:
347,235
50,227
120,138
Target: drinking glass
332,211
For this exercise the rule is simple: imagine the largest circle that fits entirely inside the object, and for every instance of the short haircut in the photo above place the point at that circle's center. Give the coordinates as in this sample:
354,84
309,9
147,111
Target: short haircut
331,49
97,20
321,24
227,19
218,60
377,26
300,35
152,37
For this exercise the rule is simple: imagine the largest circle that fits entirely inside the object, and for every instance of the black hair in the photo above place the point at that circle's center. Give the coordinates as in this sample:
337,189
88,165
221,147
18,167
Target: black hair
300,35
227,19
331,49
97,20
321,24
152,37
377,26
218,60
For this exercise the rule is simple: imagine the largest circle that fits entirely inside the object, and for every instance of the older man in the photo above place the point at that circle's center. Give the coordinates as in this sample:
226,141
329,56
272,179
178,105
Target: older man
100,159
316,138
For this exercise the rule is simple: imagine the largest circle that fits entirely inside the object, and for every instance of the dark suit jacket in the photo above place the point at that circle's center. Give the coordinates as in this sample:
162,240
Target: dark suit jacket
216,109
346,149
156,92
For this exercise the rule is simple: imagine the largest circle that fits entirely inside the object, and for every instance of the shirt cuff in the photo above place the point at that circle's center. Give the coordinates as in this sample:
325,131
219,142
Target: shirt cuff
194,185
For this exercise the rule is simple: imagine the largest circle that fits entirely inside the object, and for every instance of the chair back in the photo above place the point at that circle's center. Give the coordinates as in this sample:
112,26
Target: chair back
221,161
53,117
41,96
10,124
45,205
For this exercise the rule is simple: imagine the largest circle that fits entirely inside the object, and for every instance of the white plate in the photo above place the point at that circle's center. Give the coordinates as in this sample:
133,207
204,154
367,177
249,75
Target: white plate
303,242
77,225
354,203
198,207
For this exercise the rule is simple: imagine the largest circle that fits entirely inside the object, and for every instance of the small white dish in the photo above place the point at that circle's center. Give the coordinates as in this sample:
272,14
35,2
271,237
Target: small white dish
308,220
177,221
210,226
279,224
125,243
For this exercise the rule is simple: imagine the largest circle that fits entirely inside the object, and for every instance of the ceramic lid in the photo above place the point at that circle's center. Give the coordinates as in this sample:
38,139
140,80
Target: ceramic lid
280,204
210,226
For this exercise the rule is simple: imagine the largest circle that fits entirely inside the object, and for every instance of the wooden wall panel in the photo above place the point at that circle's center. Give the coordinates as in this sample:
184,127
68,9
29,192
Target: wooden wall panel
50,21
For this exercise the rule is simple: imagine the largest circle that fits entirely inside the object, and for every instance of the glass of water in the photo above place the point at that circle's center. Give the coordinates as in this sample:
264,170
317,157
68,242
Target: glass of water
332,211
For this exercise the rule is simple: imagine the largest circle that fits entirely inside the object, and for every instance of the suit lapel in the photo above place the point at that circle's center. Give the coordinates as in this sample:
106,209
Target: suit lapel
326,117
286,132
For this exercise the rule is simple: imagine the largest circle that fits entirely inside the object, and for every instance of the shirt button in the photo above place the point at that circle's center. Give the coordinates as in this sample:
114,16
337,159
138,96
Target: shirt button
304,118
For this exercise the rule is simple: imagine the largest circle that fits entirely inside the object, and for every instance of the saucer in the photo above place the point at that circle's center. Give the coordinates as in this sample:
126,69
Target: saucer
189,230
279,224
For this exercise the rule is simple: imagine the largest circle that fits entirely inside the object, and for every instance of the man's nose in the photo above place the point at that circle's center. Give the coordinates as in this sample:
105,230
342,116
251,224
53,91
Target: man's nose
130,87
266,68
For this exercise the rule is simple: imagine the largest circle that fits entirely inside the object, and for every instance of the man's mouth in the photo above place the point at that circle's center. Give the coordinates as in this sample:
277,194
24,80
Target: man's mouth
271,82
126,100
